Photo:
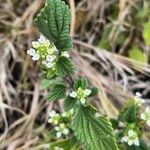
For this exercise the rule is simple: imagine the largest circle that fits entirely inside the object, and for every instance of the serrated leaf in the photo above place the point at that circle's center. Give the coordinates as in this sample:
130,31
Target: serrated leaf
69,103
45,83
64,67
129,113
58,92
84,83
76,83
53,22
94,91
80,82
94,133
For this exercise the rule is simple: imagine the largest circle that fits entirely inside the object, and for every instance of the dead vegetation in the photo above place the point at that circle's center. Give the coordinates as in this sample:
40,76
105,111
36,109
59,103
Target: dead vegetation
23,109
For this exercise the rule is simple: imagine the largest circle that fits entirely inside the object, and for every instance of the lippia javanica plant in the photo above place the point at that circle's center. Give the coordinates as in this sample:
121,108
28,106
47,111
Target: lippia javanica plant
79,126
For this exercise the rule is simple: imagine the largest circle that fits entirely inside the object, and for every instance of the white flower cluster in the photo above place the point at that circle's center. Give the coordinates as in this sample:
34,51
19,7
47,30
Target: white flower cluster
146,116
138,100
80,94
57,119
131,138
68,113
45,51
61,130
54,117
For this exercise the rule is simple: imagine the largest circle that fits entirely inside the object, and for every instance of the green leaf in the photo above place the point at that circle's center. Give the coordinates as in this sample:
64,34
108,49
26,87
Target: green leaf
45,83
136,54
53,22
58,92
94,133
76,83
146,33
69,103
80,82
129,113
64,66
94,91
114,123
84,83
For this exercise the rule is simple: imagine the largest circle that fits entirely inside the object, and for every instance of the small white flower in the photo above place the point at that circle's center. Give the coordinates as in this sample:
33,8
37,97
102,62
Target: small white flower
36,56
130,142
143,117
121,124
35,44
83,100
62,125
58,134
57,128
87,92
54,117
131,138
42,39
73,94
146,116
65,131
55,121
54,49
138,94
50,58
136,142
124,139
64,114
61,130
52,113
50,120
31,52
66,54
131,133
49,65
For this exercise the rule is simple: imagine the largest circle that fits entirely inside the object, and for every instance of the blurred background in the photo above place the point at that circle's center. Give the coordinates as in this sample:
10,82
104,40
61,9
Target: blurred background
111,48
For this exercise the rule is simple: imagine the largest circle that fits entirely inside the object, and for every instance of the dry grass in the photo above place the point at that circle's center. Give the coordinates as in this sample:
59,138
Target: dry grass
23,109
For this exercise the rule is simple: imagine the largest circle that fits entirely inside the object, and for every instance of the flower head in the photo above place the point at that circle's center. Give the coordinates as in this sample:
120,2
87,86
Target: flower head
61,130
131,138
33,54
54,117
68,113
45,51
81,94
146,116
73,94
